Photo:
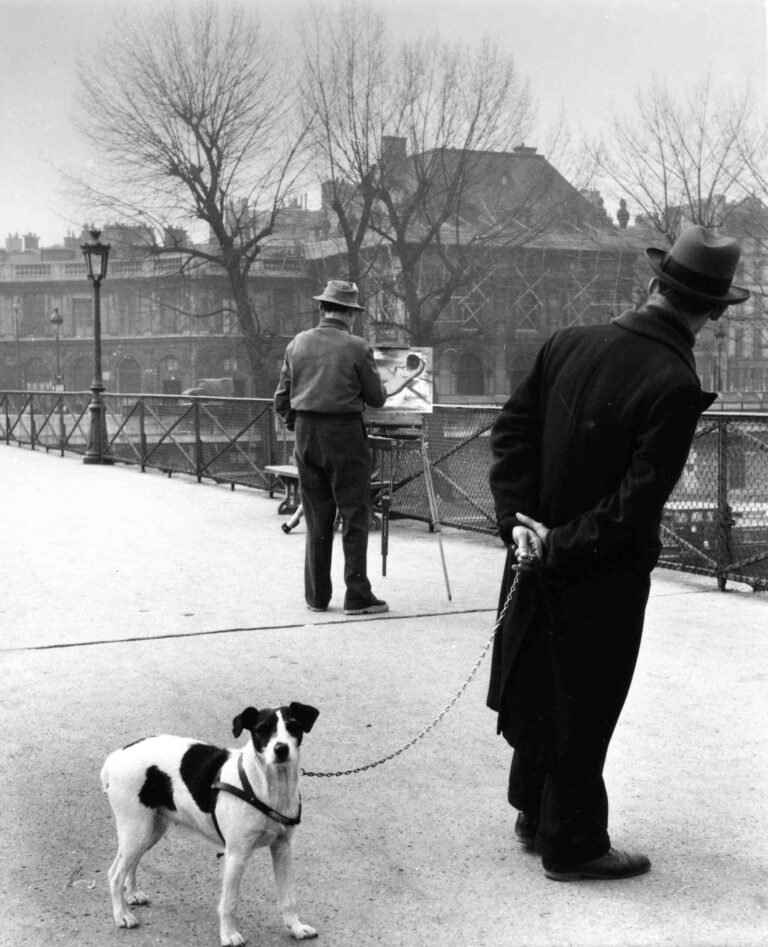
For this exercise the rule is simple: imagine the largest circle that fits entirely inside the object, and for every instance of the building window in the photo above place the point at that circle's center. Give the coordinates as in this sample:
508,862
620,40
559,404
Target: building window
554,309
37,375
470,379
82,317
742,342
446,376
128,376
81,374
528,312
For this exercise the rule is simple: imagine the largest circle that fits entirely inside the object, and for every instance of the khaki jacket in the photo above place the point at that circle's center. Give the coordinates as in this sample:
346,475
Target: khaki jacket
329,371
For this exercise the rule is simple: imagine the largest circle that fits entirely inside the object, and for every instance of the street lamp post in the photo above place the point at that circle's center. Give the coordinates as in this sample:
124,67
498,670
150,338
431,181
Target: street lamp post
16,311
56,321
97,257
719,373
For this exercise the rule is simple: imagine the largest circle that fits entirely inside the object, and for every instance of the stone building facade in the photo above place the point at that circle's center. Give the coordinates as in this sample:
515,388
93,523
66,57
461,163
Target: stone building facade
162,331
164,327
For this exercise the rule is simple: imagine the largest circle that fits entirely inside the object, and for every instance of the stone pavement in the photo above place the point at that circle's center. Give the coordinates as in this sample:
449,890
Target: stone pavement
132,604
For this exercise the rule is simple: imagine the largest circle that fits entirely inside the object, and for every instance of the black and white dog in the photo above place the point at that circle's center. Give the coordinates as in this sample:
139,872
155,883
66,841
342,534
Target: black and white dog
246,798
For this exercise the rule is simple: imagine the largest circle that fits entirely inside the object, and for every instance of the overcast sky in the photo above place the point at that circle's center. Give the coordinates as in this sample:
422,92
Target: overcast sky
587,57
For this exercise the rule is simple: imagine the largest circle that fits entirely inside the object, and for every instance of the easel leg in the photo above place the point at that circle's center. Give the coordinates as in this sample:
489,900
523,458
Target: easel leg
433,510
386,501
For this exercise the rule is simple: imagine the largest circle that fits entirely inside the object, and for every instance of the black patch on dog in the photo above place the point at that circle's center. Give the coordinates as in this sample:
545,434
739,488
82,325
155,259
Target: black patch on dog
264,729
157,791
199,767
303,714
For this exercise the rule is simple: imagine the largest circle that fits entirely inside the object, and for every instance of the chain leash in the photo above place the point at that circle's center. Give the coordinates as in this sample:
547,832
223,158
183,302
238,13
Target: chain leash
439,717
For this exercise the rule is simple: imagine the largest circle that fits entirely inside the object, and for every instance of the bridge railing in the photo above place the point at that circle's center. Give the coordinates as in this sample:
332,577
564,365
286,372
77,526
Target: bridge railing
715,523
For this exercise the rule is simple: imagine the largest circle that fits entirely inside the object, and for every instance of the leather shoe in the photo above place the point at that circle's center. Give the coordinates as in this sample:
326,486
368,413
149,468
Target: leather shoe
613,866
372,606
525,831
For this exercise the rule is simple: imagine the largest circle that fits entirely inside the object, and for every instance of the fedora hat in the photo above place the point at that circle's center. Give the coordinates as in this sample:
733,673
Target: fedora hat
701,265
340,293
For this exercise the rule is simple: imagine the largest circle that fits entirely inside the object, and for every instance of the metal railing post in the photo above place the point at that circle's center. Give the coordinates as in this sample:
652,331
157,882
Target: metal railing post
724,515
62,429
32,428
142,436
198,443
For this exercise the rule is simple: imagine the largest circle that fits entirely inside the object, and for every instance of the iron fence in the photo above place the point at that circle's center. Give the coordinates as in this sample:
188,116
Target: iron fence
715,523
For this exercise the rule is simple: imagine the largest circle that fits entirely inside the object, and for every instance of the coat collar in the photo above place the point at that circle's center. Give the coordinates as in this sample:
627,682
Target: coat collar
663,327
657,324
328,322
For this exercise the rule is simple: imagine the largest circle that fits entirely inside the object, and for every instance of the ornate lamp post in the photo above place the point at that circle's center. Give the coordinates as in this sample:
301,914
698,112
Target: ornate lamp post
96,258
56,321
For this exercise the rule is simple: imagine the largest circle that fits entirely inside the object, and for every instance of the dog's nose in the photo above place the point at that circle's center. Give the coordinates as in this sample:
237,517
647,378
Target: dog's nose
281,751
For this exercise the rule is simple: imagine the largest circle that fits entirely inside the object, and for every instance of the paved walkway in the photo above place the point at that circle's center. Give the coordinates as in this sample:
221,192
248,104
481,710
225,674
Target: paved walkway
132,603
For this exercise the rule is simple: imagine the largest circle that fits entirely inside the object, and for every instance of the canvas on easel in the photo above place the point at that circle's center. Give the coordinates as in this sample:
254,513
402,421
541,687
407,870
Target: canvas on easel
408,379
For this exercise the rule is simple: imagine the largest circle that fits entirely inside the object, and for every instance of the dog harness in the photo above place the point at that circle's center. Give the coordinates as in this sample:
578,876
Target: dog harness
247,794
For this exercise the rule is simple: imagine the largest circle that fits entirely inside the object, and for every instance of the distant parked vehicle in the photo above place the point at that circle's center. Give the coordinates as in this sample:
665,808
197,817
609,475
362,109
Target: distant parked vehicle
697,522
212,388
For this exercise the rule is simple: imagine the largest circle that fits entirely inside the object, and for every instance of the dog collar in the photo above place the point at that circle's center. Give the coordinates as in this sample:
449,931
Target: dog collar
247,794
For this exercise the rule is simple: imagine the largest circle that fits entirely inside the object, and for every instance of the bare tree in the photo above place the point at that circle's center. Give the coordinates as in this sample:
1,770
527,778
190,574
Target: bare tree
678,158
409,140
189,115
695,158
347,104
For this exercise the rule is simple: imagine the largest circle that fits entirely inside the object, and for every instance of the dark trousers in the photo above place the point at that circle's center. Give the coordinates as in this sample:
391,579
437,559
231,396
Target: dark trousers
593,630
334,463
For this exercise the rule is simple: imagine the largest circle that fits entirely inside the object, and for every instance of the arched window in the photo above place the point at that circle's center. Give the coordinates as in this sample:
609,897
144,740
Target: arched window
470,378
446,375
128,376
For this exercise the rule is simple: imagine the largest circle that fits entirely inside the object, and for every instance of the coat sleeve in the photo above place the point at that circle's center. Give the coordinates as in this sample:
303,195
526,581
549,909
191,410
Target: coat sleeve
514,471
282,399
619,526
371,385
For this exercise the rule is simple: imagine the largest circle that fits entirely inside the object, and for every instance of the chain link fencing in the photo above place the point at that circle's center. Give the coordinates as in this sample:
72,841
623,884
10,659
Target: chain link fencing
715,523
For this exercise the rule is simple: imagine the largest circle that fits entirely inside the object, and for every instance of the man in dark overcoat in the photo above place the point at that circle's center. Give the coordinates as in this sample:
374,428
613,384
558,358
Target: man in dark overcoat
585,454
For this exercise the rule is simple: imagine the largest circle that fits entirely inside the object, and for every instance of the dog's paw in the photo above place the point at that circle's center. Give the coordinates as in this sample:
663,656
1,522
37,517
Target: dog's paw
235,939
126,919
301,931
137,897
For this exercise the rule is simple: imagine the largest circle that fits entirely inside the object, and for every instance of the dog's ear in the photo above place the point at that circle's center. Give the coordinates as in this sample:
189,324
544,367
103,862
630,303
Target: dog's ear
244,721
305,714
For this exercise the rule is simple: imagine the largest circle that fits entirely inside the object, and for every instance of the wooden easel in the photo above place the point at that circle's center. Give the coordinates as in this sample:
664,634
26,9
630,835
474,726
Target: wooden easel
391,443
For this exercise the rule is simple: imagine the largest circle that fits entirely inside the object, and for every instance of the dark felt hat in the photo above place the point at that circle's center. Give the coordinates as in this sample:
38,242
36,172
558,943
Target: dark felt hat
701,265
340,293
